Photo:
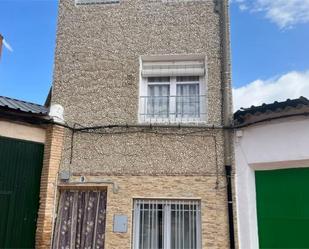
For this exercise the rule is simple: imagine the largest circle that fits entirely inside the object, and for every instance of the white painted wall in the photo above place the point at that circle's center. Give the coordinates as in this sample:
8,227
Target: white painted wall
283,143
21,131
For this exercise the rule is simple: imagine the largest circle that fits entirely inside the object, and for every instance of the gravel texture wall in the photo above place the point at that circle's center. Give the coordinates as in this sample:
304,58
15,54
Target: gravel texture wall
154,152
98,48
96,80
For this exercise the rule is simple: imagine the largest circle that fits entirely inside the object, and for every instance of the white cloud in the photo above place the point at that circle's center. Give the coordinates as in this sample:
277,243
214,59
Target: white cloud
291,85
284,13
242,4
7,45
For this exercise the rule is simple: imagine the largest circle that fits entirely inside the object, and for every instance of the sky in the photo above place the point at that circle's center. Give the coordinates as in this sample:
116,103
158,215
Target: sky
29,27
270,49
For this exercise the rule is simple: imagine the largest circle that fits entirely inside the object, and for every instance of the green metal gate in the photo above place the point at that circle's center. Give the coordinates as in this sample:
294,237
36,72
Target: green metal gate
20,173
283,208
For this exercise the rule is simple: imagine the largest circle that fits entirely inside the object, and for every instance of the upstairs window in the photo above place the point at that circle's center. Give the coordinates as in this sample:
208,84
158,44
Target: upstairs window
167,224
172,91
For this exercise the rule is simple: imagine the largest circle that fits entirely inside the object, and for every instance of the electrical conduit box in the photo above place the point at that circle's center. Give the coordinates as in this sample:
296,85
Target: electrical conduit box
120,223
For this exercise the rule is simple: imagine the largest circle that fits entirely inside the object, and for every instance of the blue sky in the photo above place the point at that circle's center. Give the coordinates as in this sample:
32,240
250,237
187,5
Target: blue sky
262,50
270,49
29,27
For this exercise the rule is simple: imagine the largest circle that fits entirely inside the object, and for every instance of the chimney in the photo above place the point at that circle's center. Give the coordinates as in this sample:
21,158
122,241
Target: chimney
1,40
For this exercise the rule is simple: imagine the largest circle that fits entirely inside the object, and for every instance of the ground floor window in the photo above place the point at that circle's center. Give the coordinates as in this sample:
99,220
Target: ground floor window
167,224
81,220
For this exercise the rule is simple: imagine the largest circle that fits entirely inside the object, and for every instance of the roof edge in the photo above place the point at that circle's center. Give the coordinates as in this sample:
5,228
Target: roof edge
275,110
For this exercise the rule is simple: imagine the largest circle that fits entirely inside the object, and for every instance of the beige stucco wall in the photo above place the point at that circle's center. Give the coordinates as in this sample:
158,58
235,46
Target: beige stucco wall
23,131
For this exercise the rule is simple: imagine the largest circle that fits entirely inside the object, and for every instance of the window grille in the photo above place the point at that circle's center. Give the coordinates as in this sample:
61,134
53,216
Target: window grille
167,224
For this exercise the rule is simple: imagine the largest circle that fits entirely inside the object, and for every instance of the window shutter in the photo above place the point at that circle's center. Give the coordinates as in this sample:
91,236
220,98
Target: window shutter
173,68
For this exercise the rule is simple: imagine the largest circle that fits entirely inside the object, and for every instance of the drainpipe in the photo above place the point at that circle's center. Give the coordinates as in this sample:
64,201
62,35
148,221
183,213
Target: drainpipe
226,114
228,171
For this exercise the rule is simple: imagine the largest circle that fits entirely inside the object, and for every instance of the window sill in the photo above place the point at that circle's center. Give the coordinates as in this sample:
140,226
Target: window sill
167,122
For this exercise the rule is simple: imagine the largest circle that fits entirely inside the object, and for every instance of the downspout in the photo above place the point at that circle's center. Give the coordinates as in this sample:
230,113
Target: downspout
228,170
226,114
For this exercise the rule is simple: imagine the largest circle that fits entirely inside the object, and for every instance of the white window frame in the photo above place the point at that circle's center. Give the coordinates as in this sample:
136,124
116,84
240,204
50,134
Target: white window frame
167,221
143,92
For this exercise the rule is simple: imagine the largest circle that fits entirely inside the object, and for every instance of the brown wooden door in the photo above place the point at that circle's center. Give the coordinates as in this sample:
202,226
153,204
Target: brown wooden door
81,220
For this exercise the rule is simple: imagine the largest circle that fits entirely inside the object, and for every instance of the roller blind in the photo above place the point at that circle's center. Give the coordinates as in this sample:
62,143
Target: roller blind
173,68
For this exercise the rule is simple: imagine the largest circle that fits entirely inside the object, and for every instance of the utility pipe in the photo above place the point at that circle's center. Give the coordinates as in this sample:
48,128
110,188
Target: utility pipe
227,109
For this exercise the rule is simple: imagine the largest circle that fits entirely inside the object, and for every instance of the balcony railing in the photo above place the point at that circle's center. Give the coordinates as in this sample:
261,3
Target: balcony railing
173,109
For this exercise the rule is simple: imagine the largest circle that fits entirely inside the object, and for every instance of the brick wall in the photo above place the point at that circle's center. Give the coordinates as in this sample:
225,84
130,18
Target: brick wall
213,204
51,163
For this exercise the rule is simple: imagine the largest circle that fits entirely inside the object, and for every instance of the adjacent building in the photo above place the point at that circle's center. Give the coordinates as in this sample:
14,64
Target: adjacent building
272,172
145,88
23,128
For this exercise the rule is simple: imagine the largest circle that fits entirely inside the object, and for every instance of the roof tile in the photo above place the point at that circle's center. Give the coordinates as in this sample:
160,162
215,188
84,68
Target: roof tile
240,115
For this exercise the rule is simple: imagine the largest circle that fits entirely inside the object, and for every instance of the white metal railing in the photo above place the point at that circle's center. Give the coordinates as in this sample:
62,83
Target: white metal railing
175,109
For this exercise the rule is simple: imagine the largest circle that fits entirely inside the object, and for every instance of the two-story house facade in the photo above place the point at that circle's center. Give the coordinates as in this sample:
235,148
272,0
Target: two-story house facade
145,88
